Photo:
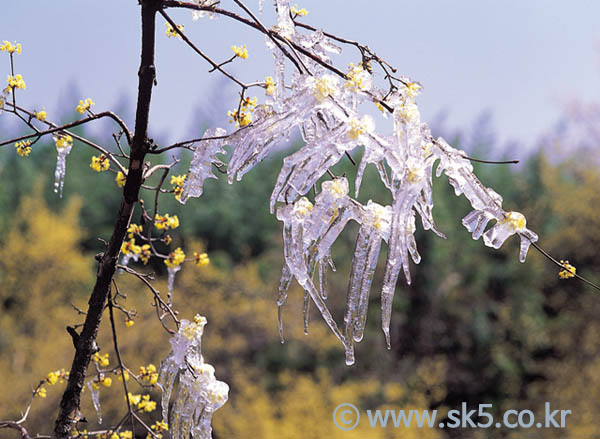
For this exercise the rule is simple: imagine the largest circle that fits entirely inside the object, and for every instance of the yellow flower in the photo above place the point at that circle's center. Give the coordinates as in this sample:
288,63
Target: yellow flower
270,86
118,372
102,360
63,141
241,120
166,222
52,377
126,434
201,259
160,426
100,163
120,179
10,48
16,82
298,12
568,272
358,78
175,258
240,52
145,254
324,87
177,181
134,399
84,105
134,229
130,247
114,435
95,385
40,115
129,323
171,32
41,392
167,240
23,148
413,89
149,374
146,404
106,381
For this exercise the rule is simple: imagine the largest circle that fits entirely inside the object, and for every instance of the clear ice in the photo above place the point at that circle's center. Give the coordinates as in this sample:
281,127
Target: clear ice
197,393
328,111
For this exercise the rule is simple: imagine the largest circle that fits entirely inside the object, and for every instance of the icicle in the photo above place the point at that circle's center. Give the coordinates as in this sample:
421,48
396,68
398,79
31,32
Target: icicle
284,285
201,166
198,394
95,399
306,312
171,279
63,148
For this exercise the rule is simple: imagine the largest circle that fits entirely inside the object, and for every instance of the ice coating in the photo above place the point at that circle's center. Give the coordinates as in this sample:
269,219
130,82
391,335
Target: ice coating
198,393
172,271
328,109
205,154
61,169
95,393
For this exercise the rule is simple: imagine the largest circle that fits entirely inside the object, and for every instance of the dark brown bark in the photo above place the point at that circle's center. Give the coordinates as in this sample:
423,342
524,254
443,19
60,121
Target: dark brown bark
86,342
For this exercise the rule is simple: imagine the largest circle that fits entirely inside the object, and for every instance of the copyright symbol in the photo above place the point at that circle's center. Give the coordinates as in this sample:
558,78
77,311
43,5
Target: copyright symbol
346,415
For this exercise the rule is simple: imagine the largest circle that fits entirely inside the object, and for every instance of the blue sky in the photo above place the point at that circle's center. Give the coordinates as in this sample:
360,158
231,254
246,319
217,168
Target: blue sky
520,60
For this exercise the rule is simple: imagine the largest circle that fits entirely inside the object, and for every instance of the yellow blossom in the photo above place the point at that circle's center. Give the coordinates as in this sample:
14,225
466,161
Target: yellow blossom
133,399
41,392
201,259
23,148
100,163
95,385
129,323
52,377
413,89
171,32
145,255
240,52
167,240
358,78
120,179
133,230
125,373
149,374
177,182
130,247
40,115
16,82
114,435
324,87
10,48
175,258
160,426
146,404
106,381
298,12
241,120
270,86
568,272
126,434
84,105
166,222
102,360
63,141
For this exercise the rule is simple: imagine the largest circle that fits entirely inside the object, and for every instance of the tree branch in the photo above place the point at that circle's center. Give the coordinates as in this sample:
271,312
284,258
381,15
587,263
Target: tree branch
70,402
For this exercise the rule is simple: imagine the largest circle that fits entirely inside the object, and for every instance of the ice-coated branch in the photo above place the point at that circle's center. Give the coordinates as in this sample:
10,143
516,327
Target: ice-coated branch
197,393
